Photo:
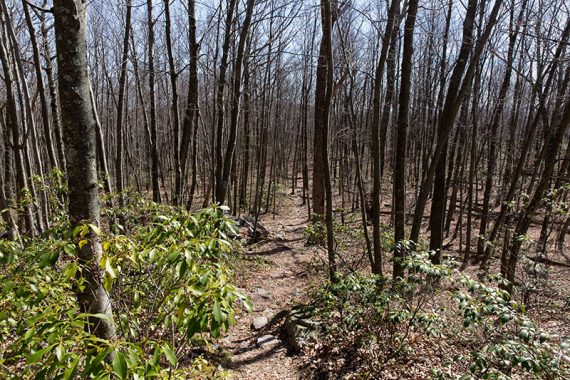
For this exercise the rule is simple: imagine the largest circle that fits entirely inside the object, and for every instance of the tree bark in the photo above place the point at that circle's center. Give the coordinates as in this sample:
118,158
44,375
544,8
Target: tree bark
190,122
173,75
375,145
321,119
327,25
156,196
401,139
120,106
79,128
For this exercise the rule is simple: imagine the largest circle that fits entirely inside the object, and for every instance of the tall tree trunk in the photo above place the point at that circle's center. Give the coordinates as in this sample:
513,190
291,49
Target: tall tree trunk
37,201
306,90
357,163
79,127
219,135
5,196
221,186
41,87
247,137
387,107
401,139
327,26
140,98
190,123
101,150
472,170
438,208
178,182
54,103
120,106
156,196
320,118
375,145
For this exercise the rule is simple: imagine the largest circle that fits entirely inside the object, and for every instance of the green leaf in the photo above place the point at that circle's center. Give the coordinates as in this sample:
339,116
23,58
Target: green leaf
70,270
29,334
71,370
95,363
82,243
95,229
215,330
248,305
41,375
69,249
194,291
36,356
109,269
59,352
49,259
173,257
155,356
217,312
120,365
152,256
182,268
170,355
107,282
524,335
197,324
76,231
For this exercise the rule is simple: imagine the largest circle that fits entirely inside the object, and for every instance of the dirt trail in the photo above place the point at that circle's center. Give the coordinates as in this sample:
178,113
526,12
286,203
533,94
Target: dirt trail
273,287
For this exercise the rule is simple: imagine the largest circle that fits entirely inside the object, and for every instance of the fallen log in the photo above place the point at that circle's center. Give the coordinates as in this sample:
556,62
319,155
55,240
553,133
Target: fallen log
546,261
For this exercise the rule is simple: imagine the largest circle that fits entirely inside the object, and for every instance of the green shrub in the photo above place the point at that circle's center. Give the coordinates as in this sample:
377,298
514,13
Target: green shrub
373,325
511,340
168,281
315,233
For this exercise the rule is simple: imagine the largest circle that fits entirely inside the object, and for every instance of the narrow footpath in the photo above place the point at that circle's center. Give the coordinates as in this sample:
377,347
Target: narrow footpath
257,344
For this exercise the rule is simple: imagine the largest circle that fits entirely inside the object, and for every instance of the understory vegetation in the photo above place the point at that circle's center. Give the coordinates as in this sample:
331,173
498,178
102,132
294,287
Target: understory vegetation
438,320
170,285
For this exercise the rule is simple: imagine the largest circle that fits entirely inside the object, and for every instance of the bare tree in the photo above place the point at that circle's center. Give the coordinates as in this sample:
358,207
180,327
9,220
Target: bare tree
401,139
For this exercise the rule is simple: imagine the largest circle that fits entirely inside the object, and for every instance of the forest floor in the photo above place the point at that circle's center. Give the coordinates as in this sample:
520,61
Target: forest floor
282,271
277,274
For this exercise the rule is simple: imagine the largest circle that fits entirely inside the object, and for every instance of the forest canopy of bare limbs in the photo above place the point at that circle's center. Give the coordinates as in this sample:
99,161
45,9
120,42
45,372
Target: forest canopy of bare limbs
283,189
